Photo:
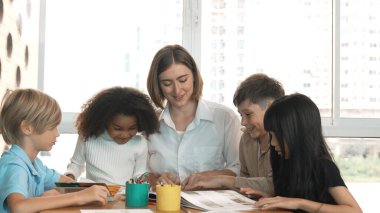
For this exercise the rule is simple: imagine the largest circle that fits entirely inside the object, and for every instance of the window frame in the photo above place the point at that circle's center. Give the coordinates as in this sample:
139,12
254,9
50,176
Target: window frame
334,126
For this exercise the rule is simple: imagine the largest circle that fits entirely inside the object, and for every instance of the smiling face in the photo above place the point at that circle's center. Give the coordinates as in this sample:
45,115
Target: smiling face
276,145
122,128
177,85
46,140
252,117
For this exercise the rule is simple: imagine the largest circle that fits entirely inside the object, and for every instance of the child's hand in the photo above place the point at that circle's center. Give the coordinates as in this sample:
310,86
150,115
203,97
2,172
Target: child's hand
95,193
278,202
66,179
119,197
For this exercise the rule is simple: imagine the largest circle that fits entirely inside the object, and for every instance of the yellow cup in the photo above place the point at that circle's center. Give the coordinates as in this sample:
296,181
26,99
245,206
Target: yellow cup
168,197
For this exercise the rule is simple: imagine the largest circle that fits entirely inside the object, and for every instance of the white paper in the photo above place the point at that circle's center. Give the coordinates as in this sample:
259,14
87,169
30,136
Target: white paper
219,200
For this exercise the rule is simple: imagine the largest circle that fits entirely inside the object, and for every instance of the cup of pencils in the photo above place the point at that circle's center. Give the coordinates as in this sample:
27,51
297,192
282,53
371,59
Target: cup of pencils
136,192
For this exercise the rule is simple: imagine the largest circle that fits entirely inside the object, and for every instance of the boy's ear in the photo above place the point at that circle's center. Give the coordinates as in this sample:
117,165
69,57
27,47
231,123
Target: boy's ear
26,128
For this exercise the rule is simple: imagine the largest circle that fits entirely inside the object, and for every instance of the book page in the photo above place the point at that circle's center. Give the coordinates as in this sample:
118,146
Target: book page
216,200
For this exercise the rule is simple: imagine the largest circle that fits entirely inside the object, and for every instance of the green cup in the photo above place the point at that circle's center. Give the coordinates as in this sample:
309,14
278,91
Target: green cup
136,194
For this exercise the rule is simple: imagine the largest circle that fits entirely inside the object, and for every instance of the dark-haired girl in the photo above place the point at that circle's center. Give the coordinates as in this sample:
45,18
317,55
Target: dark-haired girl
305,177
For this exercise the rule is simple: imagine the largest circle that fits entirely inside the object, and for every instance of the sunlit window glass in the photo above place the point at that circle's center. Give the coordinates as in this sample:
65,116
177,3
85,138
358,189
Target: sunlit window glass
93,44
360,59
289,40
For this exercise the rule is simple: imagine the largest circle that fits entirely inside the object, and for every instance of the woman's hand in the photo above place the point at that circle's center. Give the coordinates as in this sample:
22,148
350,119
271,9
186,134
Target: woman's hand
193,182
168,178
153,180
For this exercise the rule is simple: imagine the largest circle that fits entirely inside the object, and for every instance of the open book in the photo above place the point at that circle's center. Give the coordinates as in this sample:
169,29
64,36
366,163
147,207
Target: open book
213,200
216,200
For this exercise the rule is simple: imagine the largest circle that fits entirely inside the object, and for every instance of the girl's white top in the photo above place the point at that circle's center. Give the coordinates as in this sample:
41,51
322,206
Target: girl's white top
106,161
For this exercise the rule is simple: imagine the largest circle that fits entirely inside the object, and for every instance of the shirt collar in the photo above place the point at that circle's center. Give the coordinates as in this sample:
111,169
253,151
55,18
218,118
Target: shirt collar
203,112
19,152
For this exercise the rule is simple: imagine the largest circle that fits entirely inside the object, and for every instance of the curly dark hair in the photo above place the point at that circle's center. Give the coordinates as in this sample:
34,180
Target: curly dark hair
99,111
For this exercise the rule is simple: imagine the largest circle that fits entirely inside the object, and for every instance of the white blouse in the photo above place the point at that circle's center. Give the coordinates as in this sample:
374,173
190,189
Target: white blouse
210,142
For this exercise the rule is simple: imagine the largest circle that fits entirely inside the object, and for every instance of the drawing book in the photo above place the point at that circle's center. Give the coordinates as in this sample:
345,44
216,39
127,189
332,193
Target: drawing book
216,200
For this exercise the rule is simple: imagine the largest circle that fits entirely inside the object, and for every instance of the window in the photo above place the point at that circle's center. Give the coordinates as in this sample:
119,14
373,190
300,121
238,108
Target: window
360,31
273,40
110,44
298,48
240,30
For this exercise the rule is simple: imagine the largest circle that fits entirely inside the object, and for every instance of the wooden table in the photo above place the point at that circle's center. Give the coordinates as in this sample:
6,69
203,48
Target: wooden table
120,204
